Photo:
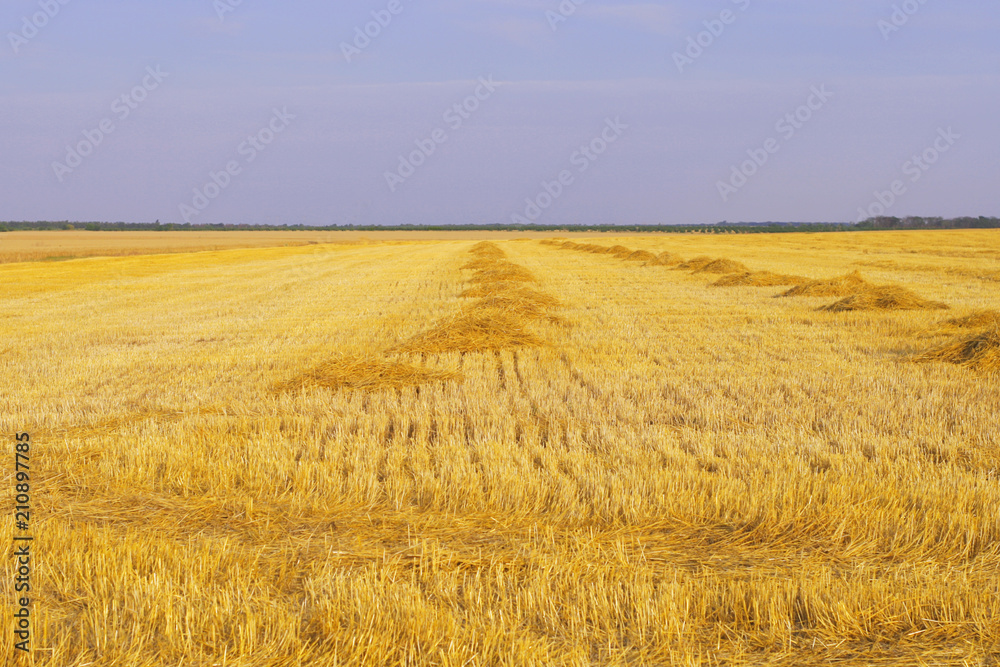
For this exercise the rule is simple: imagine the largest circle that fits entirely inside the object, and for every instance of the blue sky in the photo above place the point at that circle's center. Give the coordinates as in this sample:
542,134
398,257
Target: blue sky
255,114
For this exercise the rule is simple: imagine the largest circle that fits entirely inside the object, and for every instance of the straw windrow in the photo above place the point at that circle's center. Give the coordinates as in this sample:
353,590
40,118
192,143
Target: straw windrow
884,297
723,266
509,289
504,273
841,286
978,351
667,259
640,256
695,264
487,249
474,332
758,279
647,257
499,319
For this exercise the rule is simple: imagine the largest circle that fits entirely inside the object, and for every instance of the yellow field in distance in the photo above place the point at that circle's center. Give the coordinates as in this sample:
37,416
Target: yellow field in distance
28,246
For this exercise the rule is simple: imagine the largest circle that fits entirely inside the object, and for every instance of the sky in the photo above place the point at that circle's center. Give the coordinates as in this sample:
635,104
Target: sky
394,112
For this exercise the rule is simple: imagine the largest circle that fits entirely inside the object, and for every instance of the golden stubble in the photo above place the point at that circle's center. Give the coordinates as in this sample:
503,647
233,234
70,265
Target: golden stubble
666,472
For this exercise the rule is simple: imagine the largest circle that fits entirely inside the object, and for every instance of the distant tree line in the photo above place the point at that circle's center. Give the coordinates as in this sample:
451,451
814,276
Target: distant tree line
915,222
878,223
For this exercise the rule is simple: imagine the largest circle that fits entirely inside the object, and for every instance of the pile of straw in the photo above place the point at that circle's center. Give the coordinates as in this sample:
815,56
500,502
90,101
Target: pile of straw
504,272
883,297
499,317
723,266
666,259
841,286
979,351
487,249
695,264
474,330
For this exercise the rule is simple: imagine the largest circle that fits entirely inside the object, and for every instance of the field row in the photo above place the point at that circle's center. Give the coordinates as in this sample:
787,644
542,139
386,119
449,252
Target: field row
497,318
977,347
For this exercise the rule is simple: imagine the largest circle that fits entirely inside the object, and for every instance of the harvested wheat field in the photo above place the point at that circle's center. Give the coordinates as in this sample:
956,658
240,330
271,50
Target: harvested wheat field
473,452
